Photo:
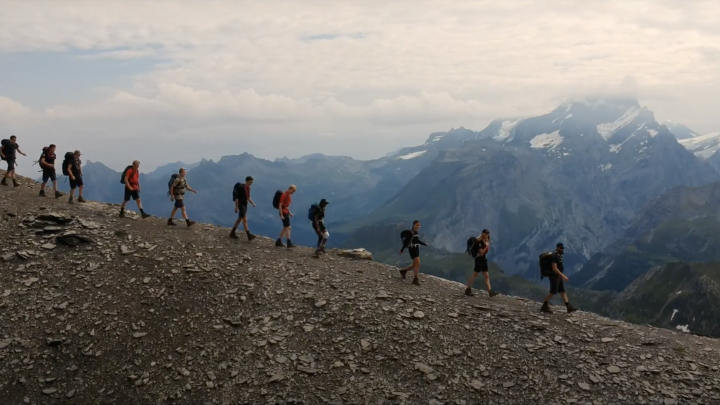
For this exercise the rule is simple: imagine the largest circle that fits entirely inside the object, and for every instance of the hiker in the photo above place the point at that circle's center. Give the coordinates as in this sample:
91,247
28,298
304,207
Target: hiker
241,197
178,184
557,280
317,211
74,170
131,180
479,250
7,153
285,215
47,164
412,242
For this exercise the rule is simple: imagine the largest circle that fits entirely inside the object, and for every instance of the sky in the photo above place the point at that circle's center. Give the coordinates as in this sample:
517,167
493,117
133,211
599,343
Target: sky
167,81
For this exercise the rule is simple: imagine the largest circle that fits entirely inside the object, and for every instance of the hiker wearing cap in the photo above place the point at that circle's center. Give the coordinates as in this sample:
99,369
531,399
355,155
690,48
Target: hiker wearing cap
317,212
285,215
241,197
479,251
178,185
131,180
412,243
47,164
557,281
7,153
75,173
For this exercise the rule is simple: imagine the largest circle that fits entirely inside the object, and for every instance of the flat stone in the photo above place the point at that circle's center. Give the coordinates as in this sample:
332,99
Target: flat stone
138,335
508,384
418,315
607,340
49,246
613,369
584,386
424,368
476,384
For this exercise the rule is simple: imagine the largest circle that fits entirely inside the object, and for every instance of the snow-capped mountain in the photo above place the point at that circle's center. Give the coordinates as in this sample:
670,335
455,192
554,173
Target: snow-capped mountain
703,146
679,130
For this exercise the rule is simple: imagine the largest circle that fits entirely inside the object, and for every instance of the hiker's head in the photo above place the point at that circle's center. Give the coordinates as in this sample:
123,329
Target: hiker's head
77,154
51,148
323,203
182,172
416,225
13,138
249,180
485,234
560,247
292,189
136,164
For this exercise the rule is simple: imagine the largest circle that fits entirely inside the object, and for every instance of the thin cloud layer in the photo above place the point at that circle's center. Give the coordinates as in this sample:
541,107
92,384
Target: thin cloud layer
274,78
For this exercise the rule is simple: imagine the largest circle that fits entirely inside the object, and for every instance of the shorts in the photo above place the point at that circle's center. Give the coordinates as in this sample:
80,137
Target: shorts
557,285
242,211
78,182
320,225
134,194
11,164
481,265
179,203
49,175
286,220
414,252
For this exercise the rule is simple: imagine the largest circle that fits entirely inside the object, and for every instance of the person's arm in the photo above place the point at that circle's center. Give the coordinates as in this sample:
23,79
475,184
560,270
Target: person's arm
316,225
127,179
70,171
558,272
80,170
251,201
280,208
421,242
21,152
187,186
237,205
171,191
42,162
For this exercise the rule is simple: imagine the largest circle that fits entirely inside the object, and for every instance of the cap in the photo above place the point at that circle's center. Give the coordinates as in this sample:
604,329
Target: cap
77,152
560,245
324,202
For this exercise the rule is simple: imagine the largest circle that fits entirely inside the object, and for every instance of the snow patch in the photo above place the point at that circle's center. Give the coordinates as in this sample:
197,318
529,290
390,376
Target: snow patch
544,141
703,146
653,133
605,167
505,129
675,311
684,328
412,155
608,129
568,116
615,147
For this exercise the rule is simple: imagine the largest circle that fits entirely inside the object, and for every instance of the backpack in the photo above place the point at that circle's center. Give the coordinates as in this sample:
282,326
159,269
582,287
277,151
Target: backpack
276,199
69,159
472,247
546,265
5,144
122,176
171,181
239,192
406,235
312,210
37,162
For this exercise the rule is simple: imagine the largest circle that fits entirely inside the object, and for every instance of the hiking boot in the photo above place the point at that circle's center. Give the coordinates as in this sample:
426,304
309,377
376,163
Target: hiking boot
403,273
81,200
545,308
233,235
251,237
3,182
42,193
571,308
70,201
278,243
15,183
416,281
322,249
122,214
317,252
144,215
189,223
492,293
58,194
290,244
469,293
170,222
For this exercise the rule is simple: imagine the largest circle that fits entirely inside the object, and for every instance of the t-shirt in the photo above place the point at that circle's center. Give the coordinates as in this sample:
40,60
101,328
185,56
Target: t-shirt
76,165
285,201
49,159
319,213
178,187
9,151
134,178
557,258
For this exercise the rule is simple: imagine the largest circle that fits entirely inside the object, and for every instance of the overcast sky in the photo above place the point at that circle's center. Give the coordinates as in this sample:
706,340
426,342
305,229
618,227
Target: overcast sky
168,81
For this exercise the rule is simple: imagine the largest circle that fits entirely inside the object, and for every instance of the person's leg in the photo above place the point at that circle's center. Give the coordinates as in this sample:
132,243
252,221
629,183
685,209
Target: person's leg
80,190
554,284
416,265
487,280
471,280
245,224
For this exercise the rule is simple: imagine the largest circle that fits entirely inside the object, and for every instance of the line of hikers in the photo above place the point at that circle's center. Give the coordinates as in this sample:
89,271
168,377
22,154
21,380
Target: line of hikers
551,264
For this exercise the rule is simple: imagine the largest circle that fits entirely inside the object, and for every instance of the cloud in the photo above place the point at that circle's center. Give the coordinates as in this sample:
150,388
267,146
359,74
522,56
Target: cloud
286,69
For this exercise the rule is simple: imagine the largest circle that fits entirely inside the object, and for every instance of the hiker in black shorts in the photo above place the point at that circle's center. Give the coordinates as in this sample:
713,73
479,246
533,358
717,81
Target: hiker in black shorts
74,170
47,164
241,196
318,225
479,251
412,244
285,215
557,281
177,194
7,153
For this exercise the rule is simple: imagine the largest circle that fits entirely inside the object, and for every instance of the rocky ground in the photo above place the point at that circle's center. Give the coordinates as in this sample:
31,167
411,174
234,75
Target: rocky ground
94,308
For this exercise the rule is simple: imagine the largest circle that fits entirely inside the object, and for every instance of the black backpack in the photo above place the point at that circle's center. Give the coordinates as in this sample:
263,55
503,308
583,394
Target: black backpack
472,247
170,182
546,265
276,199
69,160
239,192
122,175
5,144
406,235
